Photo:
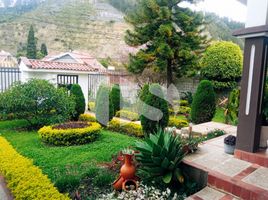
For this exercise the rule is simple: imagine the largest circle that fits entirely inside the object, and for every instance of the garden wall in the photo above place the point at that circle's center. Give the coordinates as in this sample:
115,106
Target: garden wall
187,84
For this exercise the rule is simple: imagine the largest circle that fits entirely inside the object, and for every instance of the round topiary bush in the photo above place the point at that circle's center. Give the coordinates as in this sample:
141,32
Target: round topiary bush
79,98
204,103
72,133
155,113
222,65
116,97
104,106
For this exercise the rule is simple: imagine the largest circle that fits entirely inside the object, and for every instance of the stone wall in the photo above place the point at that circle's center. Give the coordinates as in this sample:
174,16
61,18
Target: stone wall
187,84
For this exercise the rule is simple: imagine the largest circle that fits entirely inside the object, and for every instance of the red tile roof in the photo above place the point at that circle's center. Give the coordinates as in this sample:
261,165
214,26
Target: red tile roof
52,65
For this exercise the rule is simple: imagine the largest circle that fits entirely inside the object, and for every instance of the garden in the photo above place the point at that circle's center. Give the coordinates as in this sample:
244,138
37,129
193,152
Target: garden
52,148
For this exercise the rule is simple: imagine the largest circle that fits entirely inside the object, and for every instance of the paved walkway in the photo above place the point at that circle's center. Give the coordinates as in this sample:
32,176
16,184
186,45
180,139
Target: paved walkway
4,192
227,174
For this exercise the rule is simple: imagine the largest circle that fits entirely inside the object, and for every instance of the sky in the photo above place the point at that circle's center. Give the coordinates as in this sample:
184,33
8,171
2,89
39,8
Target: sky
229,8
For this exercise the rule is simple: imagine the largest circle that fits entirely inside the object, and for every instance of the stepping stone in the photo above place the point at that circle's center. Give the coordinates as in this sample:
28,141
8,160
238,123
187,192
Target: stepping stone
258,178
4,193
208,193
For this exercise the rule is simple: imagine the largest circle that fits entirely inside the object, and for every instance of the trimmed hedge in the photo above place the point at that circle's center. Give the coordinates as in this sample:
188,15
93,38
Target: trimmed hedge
178,123
116,98
104,105
222,65
79,99
68,137
87,118
204,103
91,106
181,103
132,116
25,180
131,128
158,120
179,110
142,97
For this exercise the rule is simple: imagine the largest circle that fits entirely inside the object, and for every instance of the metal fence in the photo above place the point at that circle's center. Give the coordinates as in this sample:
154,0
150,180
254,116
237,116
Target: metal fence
8,76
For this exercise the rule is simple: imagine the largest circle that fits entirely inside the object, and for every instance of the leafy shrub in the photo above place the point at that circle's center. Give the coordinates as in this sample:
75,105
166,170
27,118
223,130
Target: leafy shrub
181,103
178,123
79,99
91,106
131,128
188,96
142,96
232,108
160,155
117,98
67,183
184,110
87,118
25,180
204,103
72,136
104,105
128,115
222,65
155,100
38,102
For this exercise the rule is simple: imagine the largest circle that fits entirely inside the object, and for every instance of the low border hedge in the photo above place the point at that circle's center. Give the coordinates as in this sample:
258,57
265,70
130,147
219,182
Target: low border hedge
131,128
25,180
132,116
68,137
178,123
87,118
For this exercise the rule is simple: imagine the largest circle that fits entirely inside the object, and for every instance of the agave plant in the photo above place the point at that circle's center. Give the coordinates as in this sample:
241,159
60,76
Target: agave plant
160,155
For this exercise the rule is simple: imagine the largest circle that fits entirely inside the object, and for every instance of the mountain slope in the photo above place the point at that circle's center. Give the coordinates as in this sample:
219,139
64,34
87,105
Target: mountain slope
92,26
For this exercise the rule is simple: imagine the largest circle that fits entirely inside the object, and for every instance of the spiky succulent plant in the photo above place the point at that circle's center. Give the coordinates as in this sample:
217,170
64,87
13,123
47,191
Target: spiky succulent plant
160,155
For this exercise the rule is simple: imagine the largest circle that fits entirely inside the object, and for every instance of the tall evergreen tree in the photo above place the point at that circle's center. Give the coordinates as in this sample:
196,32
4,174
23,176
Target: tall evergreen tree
44,49
170,35
31,44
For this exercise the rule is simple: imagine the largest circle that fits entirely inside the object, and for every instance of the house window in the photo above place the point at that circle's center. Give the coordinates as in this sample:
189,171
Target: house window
67,80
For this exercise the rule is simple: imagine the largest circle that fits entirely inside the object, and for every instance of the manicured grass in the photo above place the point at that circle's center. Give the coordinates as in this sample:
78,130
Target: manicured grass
219,116
60,161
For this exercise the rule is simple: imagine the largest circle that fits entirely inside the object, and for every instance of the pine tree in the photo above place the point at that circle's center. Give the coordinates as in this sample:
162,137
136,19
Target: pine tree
44,49
170,36
31,45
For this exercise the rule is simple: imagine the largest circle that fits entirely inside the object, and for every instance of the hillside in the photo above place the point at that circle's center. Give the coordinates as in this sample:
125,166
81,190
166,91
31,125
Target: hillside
92,26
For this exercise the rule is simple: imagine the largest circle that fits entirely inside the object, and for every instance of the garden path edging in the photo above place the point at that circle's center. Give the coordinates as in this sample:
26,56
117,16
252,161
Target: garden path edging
5,194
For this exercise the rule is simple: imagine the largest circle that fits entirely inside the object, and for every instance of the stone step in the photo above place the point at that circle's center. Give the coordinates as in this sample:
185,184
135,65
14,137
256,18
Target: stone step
209,193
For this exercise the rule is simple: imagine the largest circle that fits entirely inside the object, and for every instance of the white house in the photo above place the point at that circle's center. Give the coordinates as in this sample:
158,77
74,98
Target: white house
62,69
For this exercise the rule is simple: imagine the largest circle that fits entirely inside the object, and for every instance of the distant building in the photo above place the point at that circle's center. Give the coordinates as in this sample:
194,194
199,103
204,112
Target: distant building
7,60
64,69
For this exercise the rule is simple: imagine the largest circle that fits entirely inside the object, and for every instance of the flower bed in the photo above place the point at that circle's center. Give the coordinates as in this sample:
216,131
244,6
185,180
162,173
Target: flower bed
25,180
132,116
68,134
131,128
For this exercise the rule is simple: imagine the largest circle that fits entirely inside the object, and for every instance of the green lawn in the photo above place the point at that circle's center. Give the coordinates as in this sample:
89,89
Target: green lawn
60,161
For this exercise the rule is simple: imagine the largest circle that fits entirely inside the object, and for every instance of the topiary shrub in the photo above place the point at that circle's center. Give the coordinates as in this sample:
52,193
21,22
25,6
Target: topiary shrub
222,65
204,103
79,98
142,96
155,114
91,106
104,106
117,98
